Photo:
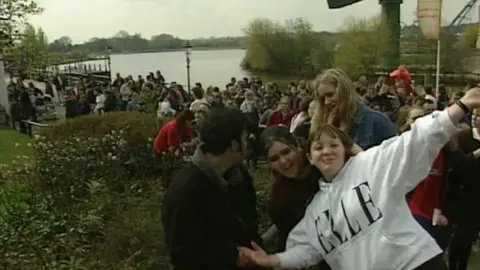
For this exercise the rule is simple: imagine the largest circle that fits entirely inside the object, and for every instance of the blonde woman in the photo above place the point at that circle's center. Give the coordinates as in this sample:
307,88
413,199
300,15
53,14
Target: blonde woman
338,104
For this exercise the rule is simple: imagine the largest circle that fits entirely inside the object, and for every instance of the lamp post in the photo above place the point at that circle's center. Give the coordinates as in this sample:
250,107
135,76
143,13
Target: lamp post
188,51
109,63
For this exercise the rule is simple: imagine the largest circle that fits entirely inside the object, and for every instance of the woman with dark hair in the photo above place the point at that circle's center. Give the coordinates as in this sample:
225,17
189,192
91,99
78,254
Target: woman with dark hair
359,218
295,182
175,134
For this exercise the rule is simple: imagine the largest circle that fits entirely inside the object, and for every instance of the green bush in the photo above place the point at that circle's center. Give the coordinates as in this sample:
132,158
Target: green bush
37,235
291,48
97,126
92,198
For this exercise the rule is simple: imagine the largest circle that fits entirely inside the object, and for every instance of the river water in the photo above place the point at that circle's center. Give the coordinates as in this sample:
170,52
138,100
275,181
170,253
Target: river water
210,67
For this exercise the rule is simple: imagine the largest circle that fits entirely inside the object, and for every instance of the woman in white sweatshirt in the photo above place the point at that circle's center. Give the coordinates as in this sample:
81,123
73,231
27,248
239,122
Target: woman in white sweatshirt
359,218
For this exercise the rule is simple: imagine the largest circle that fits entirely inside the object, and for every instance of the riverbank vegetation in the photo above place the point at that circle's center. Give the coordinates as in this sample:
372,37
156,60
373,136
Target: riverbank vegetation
92,197
291,48
123,42
360,47
13,16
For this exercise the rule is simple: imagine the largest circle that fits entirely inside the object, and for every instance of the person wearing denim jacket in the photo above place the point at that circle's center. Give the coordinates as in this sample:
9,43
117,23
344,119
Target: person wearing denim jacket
339,104
370,128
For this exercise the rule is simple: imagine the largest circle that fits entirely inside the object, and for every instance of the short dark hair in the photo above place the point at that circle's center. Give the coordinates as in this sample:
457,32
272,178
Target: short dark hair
197,92
429,90
220,127
305,104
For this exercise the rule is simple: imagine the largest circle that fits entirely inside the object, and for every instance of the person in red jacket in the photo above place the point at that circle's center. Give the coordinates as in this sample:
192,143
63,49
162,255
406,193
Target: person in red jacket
174,134
282,116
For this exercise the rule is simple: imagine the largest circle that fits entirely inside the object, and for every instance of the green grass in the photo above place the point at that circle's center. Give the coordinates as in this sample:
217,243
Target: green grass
12,145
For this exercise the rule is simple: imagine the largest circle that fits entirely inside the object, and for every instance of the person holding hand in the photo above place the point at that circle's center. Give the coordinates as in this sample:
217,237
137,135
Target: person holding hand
359,218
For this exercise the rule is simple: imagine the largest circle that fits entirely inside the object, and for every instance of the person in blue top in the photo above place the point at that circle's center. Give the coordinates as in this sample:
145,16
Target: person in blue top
339,104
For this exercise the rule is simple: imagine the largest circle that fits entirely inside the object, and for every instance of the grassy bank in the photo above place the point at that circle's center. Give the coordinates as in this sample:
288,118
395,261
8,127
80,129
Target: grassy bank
13,145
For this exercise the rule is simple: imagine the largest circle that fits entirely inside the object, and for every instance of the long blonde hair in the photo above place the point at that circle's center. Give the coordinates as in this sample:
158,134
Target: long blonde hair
347,100
403,120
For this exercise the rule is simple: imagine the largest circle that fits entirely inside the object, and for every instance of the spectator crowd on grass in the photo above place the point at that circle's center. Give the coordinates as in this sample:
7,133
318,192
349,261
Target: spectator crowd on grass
207,147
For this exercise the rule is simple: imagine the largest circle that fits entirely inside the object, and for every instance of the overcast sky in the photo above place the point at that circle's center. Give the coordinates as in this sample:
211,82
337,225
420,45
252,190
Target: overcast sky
84,19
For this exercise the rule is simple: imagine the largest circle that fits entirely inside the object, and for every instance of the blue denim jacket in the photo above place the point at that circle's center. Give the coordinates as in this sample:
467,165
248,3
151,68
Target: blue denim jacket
370,128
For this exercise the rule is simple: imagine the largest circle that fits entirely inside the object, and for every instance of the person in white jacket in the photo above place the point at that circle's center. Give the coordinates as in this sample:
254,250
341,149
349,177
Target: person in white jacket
359,219
99,102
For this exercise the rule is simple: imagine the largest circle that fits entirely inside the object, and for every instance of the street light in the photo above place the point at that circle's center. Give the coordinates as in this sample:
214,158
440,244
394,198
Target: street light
188,51
109,63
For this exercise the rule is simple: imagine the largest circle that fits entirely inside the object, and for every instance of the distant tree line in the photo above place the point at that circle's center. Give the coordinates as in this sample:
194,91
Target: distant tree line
123,42
291,48
360,47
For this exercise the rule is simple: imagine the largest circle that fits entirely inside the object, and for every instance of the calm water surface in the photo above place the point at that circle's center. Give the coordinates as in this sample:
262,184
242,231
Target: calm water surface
210,67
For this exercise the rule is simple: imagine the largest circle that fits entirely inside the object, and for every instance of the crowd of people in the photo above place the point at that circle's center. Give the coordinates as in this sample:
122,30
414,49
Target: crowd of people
379,175
365,176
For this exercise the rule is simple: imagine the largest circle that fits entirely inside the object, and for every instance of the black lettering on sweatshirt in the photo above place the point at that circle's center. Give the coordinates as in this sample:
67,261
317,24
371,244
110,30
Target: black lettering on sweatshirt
355,212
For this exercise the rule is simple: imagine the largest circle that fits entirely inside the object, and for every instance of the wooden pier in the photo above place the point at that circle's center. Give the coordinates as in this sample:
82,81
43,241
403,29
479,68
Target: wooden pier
96,68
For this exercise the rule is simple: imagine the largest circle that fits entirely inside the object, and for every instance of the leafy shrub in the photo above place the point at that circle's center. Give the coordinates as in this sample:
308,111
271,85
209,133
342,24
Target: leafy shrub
35,235
135,233
262,187
92,198
64,167
97,126
148,101
84,204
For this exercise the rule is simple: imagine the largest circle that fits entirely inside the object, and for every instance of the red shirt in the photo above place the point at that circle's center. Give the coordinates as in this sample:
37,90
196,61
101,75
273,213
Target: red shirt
277,118
427,195
169,136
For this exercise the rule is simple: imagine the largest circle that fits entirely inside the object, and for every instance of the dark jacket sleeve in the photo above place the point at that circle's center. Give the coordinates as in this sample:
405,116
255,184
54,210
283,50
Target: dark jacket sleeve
459,168
250,206
252,122
185,238
302,131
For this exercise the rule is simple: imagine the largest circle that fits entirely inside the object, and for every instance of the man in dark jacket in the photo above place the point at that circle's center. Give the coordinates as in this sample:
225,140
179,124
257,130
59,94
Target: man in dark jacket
208,212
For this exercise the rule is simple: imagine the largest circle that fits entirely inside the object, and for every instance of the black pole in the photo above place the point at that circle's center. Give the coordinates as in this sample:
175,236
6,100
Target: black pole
69,75
109,63
188,48
109,68
188,73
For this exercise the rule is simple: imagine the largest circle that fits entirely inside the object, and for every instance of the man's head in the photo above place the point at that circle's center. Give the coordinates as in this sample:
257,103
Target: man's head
223,134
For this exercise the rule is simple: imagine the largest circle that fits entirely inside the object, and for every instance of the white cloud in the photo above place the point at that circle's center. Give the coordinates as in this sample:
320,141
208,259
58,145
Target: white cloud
84,19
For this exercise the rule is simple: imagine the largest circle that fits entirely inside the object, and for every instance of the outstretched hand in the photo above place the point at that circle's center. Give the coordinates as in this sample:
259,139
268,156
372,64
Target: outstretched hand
472,98
258,256
476,153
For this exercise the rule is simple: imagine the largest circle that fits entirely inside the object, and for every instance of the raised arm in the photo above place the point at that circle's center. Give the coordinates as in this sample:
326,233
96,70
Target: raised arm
403,161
